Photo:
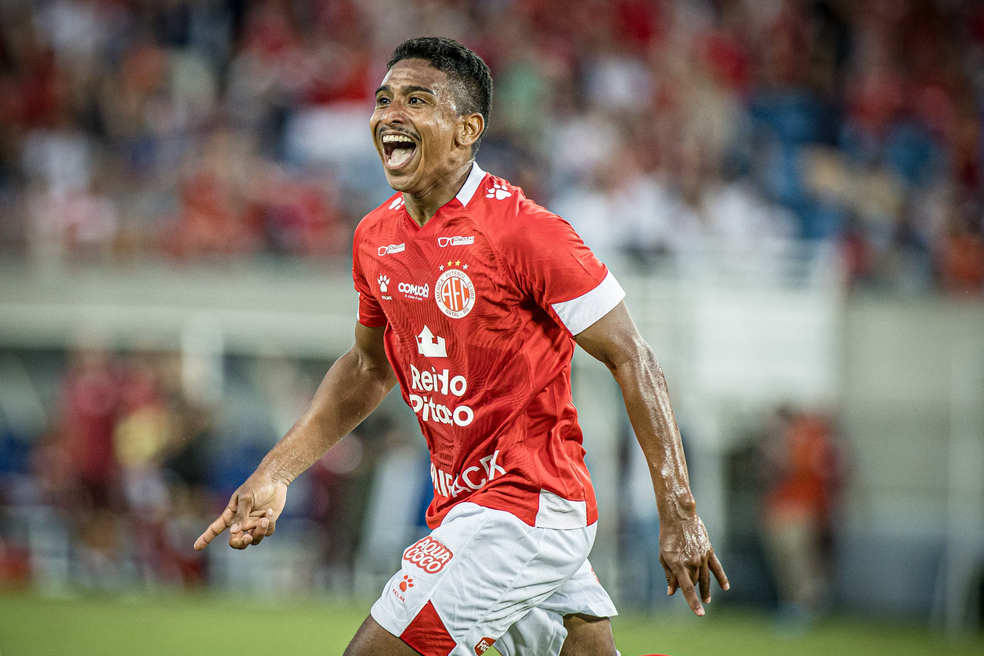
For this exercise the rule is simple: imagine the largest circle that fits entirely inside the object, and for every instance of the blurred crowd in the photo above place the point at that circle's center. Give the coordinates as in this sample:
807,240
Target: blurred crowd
128,466
189,129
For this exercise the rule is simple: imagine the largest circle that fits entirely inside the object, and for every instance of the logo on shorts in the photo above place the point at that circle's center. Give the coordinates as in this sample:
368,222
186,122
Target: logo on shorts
428,554
454,293
483,646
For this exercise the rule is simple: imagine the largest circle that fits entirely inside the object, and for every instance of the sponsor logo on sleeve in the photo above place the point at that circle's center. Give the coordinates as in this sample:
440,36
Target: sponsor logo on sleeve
392,248
483,646
455,241
428,554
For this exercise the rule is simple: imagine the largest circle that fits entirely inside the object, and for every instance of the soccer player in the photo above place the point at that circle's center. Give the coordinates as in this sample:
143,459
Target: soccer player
471,297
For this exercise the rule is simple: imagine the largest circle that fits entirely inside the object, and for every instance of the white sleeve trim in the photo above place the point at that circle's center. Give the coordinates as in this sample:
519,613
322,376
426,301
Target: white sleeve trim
581,312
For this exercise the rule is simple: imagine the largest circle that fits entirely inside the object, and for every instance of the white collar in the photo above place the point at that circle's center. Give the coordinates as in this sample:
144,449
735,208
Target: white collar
468,189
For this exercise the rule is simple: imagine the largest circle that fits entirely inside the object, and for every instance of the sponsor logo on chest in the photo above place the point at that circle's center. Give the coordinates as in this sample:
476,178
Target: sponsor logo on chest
444,242
391,249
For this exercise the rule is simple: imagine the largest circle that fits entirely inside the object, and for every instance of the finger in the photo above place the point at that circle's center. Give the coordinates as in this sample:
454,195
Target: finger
216,528
237,532
260,531
688,590
704,578
718,571
671,580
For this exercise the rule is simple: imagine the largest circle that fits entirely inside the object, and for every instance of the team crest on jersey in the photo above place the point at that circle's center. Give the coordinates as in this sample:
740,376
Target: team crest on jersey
454,293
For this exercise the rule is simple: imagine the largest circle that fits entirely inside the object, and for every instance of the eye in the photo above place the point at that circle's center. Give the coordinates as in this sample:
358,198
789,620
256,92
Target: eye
382,100
416,100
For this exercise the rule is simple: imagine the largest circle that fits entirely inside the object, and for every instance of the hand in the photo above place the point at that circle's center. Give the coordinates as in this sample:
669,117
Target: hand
251,514
687,558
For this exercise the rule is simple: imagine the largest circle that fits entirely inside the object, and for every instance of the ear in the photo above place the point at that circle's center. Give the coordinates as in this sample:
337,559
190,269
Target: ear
470,128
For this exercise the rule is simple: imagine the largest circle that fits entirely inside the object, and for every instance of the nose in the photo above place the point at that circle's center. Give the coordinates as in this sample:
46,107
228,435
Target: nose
395,112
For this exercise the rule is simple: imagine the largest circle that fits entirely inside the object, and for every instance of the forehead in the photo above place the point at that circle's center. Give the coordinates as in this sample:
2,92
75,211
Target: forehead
415,72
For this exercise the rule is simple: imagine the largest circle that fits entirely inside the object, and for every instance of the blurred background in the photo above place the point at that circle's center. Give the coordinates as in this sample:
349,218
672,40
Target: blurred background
790,191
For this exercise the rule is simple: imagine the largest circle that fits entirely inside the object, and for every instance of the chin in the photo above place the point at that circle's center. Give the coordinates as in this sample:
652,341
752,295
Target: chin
400,181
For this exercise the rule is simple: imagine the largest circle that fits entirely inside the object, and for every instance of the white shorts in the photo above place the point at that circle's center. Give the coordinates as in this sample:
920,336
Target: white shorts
483,577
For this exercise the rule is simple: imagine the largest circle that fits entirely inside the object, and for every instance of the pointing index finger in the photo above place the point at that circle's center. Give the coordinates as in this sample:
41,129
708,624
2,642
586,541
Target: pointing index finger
215,529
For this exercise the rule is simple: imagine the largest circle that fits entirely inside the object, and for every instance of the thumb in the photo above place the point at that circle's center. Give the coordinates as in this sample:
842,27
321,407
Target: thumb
243,509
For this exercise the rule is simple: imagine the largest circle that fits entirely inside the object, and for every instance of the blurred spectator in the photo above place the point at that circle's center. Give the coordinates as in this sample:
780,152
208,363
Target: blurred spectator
803,470
90,398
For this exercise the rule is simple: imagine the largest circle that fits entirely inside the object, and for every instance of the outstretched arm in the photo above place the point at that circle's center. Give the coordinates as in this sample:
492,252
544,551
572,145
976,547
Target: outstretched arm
352,389
685,550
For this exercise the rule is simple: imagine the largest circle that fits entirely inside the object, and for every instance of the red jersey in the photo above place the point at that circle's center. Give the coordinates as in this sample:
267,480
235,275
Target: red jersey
480,307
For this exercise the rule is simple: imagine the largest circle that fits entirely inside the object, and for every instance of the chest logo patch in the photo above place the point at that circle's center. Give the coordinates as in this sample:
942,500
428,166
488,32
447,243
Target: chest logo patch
444,242
454,293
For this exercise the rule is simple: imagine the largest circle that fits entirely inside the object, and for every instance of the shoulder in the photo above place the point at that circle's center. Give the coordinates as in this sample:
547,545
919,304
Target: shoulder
519,228
380,217
513,220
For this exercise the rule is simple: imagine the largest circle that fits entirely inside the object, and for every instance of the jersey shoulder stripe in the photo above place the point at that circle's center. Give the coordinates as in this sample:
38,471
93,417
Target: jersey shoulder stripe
580,313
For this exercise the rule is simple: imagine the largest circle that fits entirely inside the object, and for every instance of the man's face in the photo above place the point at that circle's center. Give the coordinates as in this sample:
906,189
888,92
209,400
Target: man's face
414,126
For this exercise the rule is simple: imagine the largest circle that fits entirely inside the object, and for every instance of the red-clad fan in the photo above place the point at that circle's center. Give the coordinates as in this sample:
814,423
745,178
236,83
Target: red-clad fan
471,298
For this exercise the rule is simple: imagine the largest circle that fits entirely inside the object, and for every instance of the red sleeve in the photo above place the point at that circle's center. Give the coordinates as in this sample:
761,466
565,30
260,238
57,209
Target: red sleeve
370,313
553,266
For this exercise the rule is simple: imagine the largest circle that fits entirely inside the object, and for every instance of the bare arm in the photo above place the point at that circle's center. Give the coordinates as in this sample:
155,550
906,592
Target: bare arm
351,390
685,550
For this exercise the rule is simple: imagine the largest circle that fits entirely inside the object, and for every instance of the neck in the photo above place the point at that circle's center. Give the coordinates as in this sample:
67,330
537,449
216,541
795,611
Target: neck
423,205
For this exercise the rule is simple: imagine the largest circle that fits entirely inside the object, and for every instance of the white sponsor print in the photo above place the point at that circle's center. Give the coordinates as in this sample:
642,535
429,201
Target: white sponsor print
455,241
454,293
416,292
429,554
472,478
497,191
439,383
392,248
430,346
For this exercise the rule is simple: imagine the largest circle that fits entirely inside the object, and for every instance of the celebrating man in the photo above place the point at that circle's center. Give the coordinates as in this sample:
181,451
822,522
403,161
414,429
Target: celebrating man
471,297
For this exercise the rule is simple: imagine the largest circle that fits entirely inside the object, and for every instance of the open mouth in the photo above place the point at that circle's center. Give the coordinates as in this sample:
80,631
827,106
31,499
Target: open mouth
398,150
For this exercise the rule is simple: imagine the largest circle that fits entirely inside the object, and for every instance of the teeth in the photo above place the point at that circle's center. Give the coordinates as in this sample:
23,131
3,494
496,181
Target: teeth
396,138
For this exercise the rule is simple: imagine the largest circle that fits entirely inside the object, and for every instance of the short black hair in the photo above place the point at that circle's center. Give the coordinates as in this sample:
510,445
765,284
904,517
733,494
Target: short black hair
469,75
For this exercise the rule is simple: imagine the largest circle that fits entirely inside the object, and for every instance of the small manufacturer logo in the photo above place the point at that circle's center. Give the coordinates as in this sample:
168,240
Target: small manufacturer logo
497,192
454,293
428,554
483,645
407,582
383,283
397,203
392,248
455,241
430,346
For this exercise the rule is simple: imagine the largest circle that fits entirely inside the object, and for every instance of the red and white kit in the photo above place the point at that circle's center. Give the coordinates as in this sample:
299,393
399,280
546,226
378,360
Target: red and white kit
480,307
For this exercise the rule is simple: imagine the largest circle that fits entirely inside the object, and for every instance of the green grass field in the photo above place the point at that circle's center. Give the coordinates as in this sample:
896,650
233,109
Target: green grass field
215,626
